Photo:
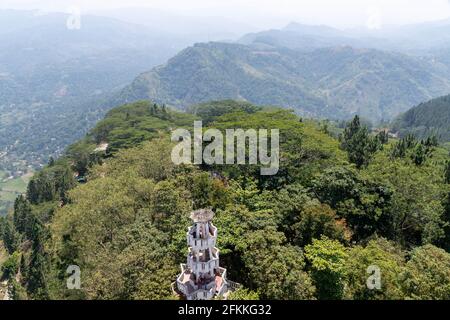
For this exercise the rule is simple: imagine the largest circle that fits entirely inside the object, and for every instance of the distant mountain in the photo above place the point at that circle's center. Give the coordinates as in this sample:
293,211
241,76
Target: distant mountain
300,36
417,39
329,82
429,118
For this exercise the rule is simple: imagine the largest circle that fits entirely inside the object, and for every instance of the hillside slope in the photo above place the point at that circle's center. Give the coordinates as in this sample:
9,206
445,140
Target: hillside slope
329,82
428,118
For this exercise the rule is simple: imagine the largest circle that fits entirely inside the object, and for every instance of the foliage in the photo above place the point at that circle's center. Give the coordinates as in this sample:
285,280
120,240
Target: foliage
310,232
427,274
359,145
426,119
327,262
10,267
447,172
362,202
243,294
209,111
277,270
17,291
381,254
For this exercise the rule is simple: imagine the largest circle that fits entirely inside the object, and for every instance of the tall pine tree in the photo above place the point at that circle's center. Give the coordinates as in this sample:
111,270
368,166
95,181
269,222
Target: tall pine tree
360,146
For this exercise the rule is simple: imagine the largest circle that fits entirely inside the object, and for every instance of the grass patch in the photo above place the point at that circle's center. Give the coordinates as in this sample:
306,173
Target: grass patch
10,189
14,185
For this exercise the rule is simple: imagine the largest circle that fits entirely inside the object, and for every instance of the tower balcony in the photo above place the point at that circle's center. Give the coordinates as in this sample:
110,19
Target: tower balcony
204,261
203,255
202,241
193,289
202,244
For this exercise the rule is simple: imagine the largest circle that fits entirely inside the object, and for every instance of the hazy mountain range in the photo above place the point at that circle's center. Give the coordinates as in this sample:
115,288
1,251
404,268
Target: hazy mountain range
419,39
53,79
55,83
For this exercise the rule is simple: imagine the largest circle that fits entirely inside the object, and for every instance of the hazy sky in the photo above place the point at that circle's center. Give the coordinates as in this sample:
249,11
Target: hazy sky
271,13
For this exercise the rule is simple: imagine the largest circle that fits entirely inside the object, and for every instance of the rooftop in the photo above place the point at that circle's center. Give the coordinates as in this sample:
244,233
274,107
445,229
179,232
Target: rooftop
202,215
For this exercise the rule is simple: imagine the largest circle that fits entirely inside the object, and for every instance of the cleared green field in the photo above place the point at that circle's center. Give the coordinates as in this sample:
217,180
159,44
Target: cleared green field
15,185
10,189
8,196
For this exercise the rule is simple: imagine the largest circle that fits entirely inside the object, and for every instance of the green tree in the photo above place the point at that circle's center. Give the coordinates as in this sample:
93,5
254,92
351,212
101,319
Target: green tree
409,145
275,270
383,137
37,284
419,155
16,290
357,142
2,227
243,294
399,149
427,274
10,267
11,238
138,265
315,220
327,260
363,203
447,172
23,216
383,255
414,214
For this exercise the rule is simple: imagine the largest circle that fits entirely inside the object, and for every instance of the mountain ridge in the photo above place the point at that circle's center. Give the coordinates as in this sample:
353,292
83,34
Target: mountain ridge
334,82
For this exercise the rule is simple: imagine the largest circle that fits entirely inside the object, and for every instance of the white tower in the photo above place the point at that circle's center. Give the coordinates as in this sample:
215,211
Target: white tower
201,277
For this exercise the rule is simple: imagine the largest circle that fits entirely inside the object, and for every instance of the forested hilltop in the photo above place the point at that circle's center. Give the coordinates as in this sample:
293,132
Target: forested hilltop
428,118
336,207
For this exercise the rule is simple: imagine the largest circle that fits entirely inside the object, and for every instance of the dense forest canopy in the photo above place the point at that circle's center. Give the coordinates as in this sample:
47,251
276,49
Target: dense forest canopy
337,206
